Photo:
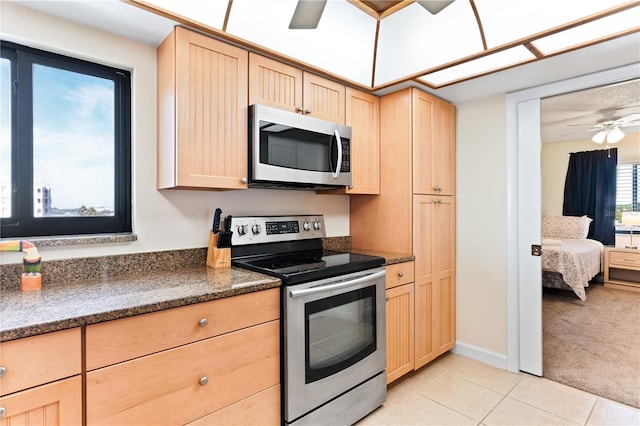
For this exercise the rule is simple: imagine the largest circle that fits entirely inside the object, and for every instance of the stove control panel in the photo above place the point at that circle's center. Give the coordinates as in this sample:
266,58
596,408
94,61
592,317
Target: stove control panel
269,229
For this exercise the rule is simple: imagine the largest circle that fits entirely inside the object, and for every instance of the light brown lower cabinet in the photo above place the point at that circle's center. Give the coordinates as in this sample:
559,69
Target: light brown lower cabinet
57,403
261,409
400,320
40,380
435,288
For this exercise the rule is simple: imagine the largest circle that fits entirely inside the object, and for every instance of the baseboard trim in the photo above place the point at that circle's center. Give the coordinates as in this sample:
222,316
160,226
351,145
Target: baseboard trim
480,354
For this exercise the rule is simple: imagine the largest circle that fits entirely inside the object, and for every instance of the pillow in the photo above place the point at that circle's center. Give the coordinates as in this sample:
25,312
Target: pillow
565,226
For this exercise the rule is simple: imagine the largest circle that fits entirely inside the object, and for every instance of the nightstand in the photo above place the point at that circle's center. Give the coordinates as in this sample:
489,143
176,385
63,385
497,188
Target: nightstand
622,268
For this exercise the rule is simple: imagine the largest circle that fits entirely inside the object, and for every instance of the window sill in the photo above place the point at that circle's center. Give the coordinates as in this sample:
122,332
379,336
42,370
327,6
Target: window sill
72,240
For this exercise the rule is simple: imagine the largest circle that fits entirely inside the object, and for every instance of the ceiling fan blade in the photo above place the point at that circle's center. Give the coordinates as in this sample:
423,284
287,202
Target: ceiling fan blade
628,118
629,124
307,14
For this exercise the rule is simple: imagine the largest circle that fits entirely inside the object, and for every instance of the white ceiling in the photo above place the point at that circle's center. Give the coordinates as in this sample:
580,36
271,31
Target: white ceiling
571,116
134,23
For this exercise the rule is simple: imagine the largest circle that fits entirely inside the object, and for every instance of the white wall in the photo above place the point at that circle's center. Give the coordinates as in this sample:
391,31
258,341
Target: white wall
168,219
481,217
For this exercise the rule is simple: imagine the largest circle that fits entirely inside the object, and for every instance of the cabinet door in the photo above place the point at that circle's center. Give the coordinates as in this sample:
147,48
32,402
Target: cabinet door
202,88
434,249
324,99
57,403
274,84
400,332
433,145
363,115
384,222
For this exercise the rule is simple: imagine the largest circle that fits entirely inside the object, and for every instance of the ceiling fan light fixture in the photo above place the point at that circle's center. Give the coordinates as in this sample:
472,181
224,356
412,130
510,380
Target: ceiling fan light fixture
307,14
614,135
434,6
599,137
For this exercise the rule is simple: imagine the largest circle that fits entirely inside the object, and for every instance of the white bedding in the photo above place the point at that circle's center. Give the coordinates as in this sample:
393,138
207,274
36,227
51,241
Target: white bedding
578,260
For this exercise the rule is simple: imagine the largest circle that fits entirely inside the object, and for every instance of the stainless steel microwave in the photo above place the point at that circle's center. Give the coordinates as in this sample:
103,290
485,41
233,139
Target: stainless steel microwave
289,150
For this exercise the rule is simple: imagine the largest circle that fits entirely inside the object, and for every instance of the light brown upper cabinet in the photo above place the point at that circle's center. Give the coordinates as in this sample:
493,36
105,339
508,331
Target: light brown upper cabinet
434,149
279,85
363,115
202,113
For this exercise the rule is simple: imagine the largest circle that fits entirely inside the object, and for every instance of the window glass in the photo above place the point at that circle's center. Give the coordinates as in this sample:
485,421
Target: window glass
627,179
5,137
73,143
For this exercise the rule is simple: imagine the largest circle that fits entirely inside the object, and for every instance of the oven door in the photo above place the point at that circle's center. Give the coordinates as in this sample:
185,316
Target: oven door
293,148
334,338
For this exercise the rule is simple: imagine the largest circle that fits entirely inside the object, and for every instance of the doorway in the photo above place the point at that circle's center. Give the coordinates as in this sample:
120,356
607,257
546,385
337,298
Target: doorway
524,294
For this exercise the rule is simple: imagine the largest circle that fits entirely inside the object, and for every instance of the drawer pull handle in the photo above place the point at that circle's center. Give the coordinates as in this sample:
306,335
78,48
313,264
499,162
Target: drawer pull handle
3,371
203,322
203,381
3,412
401,274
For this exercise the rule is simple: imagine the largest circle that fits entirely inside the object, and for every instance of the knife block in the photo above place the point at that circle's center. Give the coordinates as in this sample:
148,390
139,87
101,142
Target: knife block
217,257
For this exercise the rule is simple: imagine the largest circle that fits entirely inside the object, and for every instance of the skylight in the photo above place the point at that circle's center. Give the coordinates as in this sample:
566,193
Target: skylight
379,48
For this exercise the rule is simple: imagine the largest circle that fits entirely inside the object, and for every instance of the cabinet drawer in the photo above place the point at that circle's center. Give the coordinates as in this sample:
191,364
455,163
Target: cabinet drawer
36,360
261,409
120,340
398,274
624,258
167,388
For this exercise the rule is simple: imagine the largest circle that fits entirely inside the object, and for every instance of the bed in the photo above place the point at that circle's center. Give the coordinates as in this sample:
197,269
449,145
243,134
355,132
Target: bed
569,259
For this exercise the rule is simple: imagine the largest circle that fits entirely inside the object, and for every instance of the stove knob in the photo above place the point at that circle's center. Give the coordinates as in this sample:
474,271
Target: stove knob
256,229
316,226
306,226
242,229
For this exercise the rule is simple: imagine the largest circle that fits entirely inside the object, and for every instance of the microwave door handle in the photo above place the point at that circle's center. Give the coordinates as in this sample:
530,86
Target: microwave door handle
339,148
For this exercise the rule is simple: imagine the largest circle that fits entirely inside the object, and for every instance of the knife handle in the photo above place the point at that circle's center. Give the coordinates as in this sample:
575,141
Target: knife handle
216,221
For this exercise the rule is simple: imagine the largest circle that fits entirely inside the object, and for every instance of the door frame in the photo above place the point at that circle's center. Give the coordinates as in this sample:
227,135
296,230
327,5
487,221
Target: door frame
518,323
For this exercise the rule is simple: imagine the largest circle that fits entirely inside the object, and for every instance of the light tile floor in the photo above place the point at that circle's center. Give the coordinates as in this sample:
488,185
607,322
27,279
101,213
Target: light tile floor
456,390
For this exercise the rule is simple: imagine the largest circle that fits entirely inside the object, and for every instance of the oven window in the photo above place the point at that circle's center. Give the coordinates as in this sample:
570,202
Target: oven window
339,331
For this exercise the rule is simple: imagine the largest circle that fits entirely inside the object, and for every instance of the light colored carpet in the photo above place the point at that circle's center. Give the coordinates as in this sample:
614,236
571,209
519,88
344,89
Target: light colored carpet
595,345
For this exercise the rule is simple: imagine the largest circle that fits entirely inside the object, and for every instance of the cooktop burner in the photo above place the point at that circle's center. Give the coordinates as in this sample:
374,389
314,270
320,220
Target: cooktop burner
298,268
290,248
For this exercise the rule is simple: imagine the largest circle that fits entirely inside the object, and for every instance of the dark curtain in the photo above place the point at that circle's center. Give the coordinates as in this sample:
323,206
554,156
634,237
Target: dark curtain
590,189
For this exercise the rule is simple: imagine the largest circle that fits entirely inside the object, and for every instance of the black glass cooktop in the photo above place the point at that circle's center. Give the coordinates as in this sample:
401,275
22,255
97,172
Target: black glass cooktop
300,267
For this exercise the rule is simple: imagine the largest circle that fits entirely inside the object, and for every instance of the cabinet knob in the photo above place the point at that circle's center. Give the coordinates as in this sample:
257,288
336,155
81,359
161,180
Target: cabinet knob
203,381
438,201
244,180
401,274
307,111
299,110
203,322
3,412
3,371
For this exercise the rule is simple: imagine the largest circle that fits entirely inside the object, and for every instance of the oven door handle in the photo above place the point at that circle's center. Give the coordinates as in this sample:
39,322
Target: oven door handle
336,286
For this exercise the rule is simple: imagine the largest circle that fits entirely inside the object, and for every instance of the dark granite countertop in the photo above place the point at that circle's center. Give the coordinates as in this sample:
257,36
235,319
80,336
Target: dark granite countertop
59,306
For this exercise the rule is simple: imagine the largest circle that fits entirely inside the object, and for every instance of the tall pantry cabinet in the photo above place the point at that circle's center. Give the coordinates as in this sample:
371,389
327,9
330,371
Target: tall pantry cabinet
415,211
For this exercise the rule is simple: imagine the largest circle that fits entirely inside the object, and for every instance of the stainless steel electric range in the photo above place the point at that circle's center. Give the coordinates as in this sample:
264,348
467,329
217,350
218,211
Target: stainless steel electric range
333,318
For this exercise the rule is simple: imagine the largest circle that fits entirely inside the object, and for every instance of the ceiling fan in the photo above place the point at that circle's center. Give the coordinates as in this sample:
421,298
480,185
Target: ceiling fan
610,130
307,14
